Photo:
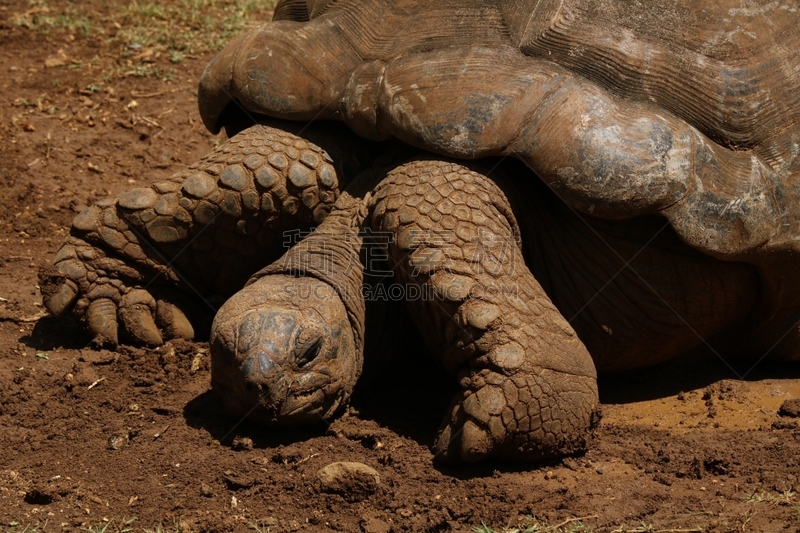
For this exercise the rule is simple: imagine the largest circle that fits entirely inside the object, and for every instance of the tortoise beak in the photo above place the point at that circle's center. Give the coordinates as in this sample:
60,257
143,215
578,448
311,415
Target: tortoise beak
259,373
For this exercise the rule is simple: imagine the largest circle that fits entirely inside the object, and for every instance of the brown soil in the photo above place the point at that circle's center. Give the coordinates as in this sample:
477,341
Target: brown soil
90,436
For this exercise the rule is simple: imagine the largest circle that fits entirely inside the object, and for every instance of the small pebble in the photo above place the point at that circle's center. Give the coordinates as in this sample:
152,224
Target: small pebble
354,481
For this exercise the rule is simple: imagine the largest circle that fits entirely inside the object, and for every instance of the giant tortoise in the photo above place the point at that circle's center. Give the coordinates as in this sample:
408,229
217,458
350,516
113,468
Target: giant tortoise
568,186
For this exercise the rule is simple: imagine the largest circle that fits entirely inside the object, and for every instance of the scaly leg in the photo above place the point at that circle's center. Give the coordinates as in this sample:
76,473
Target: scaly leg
528,383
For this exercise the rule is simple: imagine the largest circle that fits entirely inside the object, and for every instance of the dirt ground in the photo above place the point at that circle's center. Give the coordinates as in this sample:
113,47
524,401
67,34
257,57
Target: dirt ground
134,440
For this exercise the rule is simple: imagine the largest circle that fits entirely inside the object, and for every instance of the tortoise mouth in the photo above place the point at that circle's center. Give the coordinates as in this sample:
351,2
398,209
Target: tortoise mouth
263,405
303,403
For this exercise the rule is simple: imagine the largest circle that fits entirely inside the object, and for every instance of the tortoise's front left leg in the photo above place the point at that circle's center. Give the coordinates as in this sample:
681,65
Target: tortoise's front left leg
134,267
528,384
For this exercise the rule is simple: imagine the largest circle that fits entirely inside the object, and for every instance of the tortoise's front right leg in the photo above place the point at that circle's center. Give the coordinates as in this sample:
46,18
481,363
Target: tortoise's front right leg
132,265
528,385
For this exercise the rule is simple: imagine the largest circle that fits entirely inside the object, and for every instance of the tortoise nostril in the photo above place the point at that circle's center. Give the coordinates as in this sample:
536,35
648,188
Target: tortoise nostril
310,353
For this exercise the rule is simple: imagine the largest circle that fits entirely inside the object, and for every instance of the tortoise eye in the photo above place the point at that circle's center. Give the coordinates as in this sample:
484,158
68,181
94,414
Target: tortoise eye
309,354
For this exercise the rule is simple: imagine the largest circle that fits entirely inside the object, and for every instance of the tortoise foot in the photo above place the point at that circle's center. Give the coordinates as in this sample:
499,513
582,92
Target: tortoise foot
524,416
116,297
132,265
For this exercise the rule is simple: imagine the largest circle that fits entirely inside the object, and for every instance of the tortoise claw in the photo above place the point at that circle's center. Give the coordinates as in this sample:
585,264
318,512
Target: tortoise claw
62,294
136,313
173,321
101,316
461,439
140,326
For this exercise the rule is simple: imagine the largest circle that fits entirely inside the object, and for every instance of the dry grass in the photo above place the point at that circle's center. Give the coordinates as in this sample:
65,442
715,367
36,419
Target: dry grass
533,525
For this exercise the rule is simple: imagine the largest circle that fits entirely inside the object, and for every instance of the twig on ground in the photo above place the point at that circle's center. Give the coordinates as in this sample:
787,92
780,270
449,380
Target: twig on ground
153,95
22,319
571,520
90,387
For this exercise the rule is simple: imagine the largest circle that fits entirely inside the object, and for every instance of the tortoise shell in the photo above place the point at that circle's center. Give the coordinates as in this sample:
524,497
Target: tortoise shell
690,109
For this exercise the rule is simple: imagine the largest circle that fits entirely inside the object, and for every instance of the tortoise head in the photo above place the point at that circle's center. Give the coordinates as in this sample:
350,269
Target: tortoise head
283,352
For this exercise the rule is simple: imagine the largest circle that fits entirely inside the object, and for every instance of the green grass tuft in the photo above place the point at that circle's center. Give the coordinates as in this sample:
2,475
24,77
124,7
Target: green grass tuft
145,32
188,26
16,527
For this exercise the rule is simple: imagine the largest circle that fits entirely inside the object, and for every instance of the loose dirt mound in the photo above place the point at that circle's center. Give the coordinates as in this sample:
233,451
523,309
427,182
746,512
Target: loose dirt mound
134,440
